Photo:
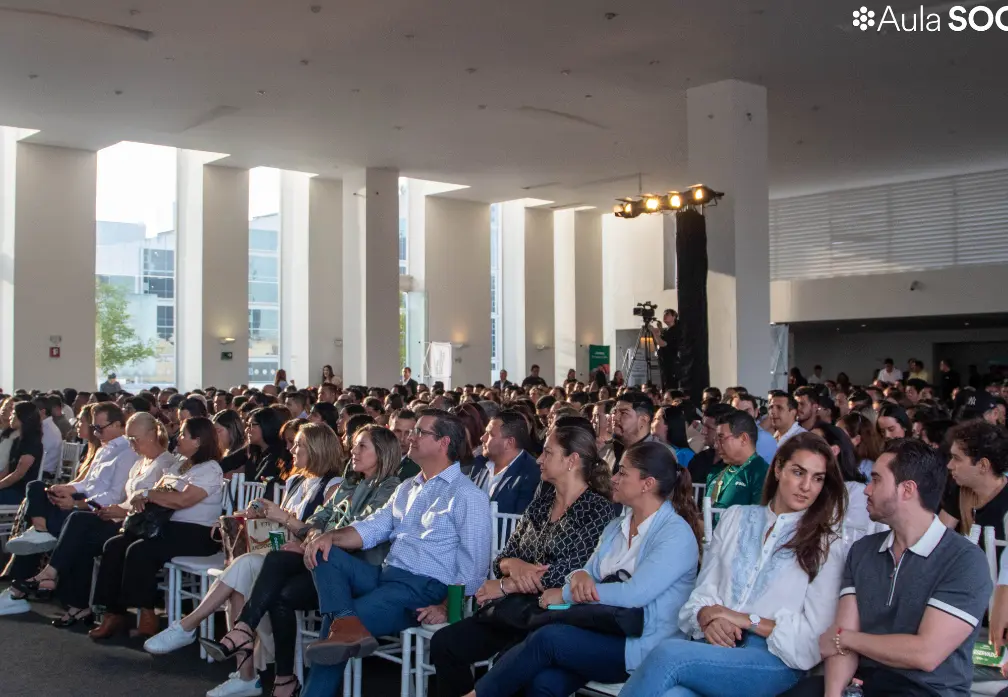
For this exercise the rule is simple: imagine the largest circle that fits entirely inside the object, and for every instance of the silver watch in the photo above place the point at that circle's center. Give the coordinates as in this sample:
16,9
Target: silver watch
754,621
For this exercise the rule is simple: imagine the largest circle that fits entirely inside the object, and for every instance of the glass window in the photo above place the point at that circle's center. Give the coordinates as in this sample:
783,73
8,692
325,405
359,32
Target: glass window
496,347
135,263
263,268
263,240
264,274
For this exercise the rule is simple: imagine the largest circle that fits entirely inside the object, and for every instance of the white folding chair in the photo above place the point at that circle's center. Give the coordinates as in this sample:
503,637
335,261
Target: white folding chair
308,626
708,520
698,492
503,525
993,549
70,461
597,688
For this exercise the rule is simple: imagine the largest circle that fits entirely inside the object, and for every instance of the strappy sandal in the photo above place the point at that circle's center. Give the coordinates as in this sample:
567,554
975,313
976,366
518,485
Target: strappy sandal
72,618
219,652
29,587
291,680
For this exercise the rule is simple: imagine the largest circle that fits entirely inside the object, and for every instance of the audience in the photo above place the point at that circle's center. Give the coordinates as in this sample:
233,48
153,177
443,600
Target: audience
977,464
783,416
740,481
669,427
26,453
510,476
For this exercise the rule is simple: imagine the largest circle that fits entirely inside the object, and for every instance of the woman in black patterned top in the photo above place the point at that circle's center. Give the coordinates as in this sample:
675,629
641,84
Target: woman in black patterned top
557,534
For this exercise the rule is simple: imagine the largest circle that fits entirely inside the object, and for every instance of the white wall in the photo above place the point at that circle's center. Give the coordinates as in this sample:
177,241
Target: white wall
457,282
325,271
959,290
295,279
53,267
565,293
225,278
587,287
539,321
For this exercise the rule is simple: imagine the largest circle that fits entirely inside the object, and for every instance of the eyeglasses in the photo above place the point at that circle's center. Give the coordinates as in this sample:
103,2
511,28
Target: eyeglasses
98,429
421,432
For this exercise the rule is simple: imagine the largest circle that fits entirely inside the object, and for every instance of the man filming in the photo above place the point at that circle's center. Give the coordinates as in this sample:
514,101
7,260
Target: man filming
667,339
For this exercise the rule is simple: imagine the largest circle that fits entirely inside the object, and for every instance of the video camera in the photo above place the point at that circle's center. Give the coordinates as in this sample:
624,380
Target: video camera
646,311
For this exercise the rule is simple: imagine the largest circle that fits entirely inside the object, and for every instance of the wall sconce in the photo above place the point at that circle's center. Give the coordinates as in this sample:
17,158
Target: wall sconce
225,340
458,345
338,342
542,347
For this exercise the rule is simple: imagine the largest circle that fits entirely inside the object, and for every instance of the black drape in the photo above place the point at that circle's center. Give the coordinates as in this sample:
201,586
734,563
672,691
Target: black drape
691,280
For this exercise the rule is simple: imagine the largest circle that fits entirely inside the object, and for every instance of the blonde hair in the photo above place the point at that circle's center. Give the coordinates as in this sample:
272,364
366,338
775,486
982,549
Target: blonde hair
325,452
147,421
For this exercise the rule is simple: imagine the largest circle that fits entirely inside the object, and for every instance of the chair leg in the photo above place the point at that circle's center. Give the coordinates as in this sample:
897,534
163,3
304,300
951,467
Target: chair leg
348,678
420,681
404,677
358,674
206,626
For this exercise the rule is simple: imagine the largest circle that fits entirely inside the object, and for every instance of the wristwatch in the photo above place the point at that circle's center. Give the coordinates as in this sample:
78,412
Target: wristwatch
754,621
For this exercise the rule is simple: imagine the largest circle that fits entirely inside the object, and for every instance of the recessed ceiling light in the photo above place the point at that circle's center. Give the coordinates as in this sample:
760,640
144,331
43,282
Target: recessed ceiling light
470,70
611,15
32,76
169,58
134,12
118,92
565,71
588,96
654,62
305,61
355,90
261,93
315,8
409,36
398,128
481,107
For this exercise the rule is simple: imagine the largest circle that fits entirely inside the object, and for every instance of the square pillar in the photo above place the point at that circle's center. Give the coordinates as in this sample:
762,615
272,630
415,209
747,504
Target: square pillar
371,277
727,133
564,295
587,288
325,277
295,277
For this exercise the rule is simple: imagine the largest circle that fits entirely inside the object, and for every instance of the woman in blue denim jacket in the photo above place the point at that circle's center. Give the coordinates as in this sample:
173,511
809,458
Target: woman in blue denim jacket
654,546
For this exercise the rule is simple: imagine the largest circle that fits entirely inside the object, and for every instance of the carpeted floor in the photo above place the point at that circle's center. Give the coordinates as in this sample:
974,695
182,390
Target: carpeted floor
39,659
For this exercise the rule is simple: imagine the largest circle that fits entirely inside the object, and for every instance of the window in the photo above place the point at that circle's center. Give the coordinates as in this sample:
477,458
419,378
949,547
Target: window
264,274
135,261
403,226
403,326
496,341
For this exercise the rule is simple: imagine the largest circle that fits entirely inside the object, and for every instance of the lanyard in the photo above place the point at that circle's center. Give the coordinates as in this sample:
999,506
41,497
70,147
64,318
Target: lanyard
722,480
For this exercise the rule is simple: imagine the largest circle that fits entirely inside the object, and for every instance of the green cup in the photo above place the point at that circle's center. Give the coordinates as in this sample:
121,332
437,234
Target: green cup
456,596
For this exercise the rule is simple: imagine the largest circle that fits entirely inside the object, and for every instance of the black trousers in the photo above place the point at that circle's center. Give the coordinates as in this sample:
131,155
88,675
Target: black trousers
456,647
878,682
82,539
127,576
37,505
283,587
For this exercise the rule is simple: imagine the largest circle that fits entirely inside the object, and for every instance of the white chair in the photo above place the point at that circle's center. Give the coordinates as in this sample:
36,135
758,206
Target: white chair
309,624
698,492
993,549
70,461
504,524
708,520
597,688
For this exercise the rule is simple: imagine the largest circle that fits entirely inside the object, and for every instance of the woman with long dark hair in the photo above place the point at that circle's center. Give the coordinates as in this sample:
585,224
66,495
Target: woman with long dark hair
25,455
866,439
854,479
269,458
669,426
647,558
893,422
767,589
328,376
231,438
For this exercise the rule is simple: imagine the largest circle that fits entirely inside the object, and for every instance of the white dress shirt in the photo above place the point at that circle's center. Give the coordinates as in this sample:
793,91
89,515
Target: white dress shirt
146,473
106,479
745,574
795,429
494,479
622,556
52,446
890,376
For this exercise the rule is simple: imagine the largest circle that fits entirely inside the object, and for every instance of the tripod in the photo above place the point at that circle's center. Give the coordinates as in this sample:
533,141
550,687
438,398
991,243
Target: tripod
645,341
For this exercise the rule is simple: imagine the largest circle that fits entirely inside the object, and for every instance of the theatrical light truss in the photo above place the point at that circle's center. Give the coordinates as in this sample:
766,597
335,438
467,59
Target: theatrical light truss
694,198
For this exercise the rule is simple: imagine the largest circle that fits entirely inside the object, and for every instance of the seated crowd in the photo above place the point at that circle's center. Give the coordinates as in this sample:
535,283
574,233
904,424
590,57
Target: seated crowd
844,544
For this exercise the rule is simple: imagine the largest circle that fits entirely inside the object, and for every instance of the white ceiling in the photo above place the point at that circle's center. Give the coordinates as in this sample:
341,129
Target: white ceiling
475,92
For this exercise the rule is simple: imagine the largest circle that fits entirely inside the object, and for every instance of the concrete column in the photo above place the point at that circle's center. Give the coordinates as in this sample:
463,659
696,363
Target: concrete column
587,288
415,202
295,278
212,297
564,293
371,277
325,275
727,129
513,289
47,277
458,295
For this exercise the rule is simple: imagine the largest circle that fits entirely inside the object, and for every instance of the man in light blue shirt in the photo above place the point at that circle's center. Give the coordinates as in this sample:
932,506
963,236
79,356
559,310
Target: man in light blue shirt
766,444
439,526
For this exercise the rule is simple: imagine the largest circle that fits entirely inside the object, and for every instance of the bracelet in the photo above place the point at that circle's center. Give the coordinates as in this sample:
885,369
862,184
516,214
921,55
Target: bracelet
502,587
836,642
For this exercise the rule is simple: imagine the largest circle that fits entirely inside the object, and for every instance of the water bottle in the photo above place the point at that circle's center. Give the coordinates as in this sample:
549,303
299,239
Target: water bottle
852,691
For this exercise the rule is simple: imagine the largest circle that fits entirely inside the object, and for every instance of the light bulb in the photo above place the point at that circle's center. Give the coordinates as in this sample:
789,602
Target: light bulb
652,204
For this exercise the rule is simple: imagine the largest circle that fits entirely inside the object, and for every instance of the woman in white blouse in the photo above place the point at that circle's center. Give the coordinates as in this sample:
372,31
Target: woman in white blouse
767,589
127,576
86,532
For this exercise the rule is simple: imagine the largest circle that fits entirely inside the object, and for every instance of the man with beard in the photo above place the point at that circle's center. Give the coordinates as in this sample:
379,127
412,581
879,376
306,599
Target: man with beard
631,422
808,407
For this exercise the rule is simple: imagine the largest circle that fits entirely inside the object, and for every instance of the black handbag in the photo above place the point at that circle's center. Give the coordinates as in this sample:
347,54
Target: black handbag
148,523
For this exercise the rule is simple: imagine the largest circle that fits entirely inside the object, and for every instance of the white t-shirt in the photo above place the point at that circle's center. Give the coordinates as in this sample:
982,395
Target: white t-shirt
857,507
146,473
208,477
889,377
52,446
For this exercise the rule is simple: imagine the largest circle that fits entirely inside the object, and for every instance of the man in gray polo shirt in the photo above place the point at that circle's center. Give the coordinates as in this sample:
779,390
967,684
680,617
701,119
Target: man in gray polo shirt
912,599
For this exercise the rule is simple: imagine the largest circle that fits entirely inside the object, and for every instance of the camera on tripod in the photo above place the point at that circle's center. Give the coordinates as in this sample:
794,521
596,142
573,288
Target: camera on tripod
646,311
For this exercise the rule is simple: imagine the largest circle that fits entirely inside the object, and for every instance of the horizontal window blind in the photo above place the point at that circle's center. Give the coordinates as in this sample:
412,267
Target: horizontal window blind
928,224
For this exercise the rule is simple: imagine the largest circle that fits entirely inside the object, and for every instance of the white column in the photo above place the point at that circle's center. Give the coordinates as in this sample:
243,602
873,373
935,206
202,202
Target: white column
325,276
295,278
727,135
211,289
513,289
48,266
564,293
371,277
416,268
587,287
457,283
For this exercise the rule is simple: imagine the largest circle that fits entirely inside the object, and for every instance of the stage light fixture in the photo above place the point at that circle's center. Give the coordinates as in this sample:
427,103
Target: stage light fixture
652,203
674,200
694,198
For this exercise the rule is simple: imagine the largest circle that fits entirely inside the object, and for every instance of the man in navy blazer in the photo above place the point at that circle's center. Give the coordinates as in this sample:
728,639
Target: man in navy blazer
510,475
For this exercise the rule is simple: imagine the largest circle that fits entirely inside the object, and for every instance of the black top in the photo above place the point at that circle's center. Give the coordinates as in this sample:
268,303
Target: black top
533,380
238,460
268,464
702,464
20,447
669,353
565,545
992,514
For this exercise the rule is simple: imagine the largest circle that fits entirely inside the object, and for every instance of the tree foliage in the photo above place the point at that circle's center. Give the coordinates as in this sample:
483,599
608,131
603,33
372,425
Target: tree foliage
117,344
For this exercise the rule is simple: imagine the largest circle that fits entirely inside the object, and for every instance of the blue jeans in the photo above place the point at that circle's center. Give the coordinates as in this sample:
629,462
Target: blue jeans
681,668
556,661
385,599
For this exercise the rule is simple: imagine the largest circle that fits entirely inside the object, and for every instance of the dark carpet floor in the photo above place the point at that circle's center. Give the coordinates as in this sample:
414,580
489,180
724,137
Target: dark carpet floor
39,659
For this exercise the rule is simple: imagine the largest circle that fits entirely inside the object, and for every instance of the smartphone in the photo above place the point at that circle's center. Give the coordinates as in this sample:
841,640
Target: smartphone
94,505
77,496
565,606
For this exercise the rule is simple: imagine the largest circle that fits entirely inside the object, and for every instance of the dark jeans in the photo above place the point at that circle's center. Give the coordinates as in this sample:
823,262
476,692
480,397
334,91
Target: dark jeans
878,682
453,649
12,495
283,587
83,536
127,576
556,661
385,599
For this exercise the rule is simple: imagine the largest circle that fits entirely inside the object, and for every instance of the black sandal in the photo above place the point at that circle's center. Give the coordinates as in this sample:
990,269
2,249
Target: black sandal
72,618
219,652
29,587
291,680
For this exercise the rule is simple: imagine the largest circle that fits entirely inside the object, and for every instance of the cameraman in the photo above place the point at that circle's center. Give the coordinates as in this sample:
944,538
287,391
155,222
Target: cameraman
667,339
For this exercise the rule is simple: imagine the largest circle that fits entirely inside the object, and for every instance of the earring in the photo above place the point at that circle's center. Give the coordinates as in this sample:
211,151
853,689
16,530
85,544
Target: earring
570,467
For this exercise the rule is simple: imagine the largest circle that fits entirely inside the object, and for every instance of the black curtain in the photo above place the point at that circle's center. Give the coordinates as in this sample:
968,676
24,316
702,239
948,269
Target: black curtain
691,277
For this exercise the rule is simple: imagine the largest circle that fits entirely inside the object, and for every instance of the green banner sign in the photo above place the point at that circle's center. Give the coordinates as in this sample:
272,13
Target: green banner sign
598,357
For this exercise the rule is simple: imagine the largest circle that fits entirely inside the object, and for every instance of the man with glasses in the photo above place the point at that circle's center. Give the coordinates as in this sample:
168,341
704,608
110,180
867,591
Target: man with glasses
708,460
103,484
740,483
439,526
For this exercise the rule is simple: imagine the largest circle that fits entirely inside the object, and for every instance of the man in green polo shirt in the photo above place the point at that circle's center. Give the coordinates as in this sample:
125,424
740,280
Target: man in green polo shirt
740,482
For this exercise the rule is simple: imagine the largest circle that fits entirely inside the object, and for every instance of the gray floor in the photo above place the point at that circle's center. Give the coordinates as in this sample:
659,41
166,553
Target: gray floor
39,659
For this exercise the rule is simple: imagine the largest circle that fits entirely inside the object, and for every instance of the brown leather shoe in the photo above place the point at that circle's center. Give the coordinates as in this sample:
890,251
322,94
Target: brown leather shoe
111,625
347,639
148,625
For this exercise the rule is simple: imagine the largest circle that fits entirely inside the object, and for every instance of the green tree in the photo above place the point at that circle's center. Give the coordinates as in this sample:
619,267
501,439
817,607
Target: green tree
117,344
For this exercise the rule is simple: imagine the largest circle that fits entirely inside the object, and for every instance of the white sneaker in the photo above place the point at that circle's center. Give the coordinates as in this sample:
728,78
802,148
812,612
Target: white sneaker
31,541
169,640
234,686
12,606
